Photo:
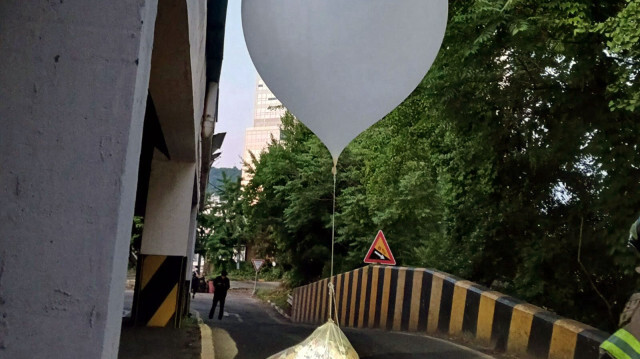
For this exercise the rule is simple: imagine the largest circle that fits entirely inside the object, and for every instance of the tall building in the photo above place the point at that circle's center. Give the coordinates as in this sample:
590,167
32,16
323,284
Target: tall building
266,125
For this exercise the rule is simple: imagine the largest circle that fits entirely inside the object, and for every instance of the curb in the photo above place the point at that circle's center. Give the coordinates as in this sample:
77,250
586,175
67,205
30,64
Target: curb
206,339
278,309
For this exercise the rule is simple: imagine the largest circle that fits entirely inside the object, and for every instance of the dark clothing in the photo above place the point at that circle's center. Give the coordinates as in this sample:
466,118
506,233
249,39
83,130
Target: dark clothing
216,299
220,287
194,283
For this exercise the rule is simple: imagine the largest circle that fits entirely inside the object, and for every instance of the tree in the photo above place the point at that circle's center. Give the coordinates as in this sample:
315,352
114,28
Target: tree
517,151
222,224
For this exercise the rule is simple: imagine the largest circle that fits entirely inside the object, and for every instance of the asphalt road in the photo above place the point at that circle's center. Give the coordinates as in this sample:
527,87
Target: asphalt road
251,329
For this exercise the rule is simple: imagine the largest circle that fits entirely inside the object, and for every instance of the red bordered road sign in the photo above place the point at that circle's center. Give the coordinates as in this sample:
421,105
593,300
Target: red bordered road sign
257,263
379,251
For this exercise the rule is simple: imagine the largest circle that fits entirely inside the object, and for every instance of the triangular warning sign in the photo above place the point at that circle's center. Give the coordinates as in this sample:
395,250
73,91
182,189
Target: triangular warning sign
379,251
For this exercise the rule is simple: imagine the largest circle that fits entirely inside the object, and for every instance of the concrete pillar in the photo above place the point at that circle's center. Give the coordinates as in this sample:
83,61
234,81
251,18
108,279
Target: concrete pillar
185,300
165,242
74,82
177,87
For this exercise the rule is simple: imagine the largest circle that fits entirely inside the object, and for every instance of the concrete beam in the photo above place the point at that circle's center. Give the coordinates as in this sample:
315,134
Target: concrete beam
168,215
74,87
178,74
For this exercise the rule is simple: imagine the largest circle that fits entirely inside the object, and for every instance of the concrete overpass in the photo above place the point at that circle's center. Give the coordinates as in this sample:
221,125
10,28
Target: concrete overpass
108,109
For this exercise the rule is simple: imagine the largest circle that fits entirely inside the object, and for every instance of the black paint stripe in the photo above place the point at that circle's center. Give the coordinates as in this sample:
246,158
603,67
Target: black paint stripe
309,299
323,301
446,302
294,309
425,300
165,278
501,322
314,301
316,311
305,303
393,293
588,344
541,331
347,297
471,308
406,304
367,299
376,320
358,294
300,307
328,300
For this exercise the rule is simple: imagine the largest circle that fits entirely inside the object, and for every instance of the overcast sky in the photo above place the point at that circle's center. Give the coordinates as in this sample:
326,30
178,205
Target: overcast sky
237,90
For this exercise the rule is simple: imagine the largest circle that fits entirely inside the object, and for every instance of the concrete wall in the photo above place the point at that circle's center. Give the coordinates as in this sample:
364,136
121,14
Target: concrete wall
74,81
432,302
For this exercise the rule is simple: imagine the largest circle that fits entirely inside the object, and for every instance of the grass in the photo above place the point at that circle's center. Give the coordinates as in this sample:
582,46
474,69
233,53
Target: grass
277,296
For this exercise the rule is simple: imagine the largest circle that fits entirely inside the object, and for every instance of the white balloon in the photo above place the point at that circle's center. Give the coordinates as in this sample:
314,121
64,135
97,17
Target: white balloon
341,65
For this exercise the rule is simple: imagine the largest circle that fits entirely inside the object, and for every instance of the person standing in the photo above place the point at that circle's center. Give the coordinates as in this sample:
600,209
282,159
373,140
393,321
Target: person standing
195,281
220,287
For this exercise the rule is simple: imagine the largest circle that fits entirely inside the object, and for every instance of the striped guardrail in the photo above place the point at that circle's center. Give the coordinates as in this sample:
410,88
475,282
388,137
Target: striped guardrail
428,301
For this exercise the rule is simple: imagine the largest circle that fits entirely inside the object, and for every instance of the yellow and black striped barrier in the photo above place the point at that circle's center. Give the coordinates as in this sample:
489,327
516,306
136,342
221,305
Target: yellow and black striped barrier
158,297
428,301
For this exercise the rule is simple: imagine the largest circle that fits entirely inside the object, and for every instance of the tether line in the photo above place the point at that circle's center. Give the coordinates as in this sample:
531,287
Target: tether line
332,293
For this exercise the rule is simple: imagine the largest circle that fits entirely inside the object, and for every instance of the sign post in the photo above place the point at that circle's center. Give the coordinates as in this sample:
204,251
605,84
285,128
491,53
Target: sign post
379,251
257,264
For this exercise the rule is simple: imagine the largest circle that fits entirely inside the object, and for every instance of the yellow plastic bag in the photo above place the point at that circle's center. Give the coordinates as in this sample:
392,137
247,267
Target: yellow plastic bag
326,342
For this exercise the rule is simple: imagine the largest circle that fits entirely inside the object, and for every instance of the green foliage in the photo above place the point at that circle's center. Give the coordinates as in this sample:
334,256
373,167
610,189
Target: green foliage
221,223
277,296
518,149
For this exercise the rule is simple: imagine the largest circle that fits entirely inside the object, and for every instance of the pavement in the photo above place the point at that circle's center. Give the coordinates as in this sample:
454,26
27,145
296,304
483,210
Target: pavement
252,329
172,343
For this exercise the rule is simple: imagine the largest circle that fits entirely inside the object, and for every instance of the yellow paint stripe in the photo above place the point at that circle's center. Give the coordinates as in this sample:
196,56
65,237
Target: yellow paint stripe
457,306
397,311
520,328
150,266
434,303
354,292
166,310
374,295
363,296
564,338
416,290
384,308
206,340
485,316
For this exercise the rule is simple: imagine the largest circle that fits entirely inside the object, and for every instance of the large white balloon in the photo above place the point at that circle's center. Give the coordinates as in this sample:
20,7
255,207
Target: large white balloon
341,65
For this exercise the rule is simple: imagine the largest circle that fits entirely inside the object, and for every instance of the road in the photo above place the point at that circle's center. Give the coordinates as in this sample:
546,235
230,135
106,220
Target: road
251,329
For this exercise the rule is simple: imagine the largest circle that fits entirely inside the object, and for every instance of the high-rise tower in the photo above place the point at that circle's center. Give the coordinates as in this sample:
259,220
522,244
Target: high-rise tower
266,124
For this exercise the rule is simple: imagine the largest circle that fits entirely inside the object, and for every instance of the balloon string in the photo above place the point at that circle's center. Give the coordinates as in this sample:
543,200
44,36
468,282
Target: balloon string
332,299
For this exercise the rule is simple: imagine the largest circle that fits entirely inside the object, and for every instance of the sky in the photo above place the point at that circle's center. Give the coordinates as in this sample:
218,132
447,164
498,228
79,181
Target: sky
237,90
